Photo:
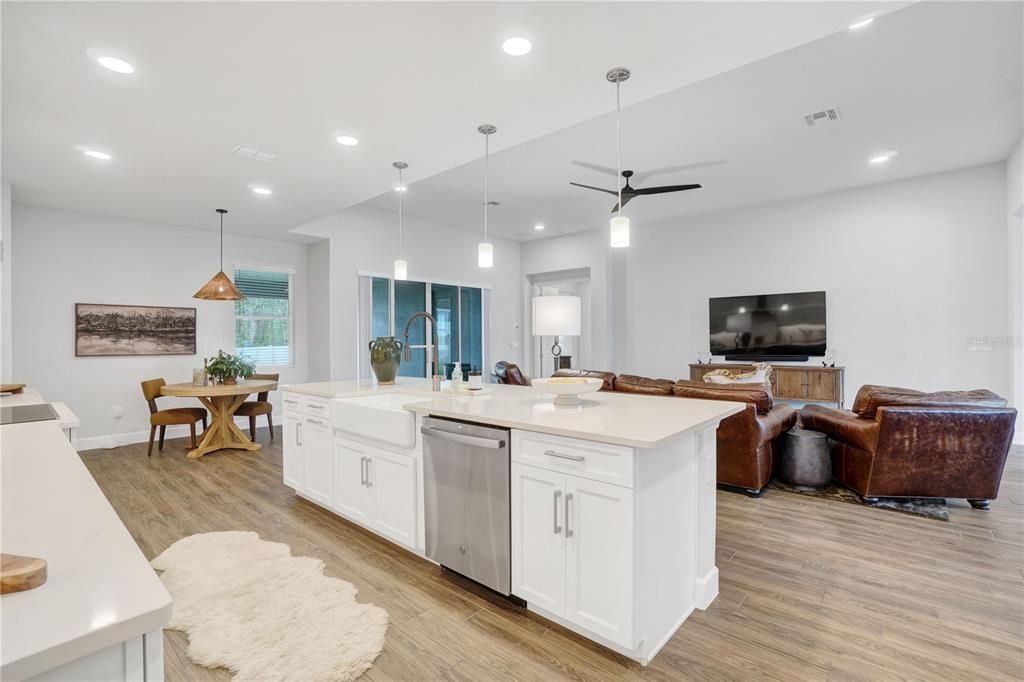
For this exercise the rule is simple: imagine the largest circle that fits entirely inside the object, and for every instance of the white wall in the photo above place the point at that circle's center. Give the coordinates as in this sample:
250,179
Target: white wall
319,306
912,270
6,351
67,257
366,239
1015,253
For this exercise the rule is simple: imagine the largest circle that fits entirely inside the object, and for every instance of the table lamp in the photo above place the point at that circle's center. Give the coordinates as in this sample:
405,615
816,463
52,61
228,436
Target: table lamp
556,316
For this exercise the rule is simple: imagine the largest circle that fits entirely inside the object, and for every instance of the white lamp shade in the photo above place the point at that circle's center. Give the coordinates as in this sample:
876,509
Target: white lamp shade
485,255
401,269
556,316
619,232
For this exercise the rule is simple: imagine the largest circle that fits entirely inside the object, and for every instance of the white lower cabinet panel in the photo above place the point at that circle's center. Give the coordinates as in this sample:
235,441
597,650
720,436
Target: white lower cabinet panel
318,460
538,537
392,480
292,442
573,550
352,497
378,489
599,558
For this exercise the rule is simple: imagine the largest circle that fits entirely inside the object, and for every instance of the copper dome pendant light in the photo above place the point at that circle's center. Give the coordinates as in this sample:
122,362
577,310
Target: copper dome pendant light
220,287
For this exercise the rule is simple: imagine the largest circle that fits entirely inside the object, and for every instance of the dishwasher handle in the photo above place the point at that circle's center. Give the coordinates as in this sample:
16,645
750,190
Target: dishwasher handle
475,441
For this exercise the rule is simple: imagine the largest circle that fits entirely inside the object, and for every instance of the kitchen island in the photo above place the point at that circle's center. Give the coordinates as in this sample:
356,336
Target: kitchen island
624,564
101,611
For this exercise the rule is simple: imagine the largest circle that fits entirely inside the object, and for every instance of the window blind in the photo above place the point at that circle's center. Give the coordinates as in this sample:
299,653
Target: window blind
262,284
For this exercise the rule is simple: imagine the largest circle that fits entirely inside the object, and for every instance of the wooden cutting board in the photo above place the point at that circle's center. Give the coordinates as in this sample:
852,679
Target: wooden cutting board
11,388
20,573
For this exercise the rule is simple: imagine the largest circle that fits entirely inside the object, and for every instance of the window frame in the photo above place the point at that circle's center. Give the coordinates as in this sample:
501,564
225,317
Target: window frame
291,312
427,304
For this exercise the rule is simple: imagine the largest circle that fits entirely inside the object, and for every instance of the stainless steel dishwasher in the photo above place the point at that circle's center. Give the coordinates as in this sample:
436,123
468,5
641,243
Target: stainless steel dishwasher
466,478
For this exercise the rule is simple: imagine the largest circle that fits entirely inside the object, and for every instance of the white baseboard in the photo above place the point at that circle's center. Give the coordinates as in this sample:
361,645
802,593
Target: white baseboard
707,589
115,440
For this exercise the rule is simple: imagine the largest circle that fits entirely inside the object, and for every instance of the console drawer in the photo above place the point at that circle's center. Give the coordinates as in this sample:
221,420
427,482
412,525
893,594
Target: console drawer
596,461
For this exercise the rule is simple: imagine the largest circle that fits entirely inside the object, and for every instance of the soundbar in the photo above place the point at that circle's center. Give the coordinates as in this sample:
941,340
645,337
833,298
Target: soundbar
767,358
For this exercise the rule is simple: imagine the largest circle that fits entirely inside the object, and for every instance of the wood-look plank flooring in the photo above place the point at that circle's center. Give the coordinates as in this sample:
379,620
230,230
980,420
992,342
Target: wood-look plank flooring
810,589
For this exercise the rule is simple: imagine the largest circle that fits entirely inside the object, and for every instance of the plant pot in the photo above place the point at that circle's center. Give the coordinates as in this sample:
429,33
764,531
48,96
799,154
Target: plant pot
385,358
230,381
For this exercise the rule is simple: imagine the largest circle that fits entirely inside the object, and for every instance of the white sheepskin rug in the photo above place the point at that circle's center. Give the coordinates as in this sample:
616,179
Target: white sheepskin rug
251,607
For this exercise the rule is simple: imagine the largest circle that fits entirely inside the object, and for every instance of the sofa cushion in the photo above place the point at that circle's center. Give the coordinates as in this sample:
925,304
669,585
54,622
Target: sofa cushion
607,377
759,395
631,383
976,398
860,403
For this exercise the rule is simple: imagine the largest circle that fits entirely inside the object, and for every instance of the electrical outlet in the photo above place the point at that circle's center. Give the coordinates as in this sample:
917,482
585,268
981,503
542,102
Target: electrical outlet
118,411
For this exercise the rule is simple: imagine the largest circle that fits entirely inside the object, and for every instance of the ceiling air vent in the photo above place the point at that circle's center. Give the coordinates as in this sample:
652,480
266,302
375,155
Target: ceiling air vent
254,154
830,114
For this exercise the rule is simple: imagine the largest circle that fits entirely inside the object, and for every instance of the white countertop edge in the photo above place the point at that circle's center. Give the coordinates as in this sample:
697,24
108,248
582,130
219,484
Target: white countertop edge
427,408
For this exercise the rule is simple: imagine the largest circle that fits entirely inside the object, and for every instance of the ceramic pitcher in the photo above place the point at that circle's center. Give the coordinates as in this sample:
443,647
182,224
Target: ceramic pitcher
385,357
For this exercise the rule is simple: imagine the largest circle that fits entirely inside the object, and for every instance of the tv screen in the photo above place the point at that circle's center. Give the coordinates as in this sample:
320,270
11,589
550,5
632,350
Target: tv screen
769,324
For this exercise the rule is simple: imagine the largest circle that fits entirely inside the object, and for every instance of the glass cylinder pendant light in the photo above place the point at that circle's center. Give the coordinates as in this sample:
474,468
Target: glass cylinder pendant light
485,251
619,225
220,287
401,266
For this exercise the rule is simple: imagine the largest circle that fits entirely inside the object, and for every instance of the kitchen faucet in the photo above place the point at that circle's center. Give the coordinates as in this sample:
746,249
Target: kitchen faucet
436,378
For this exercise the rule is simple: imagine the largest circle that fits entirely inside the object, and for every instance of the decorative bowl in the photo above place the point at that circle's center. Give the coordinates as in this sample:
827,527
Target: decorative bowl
568,393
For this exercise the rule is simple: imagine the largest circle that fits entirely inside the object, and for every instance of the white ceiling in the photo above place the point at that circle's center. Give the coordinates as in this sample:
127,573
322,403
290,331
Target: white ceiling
938,82
411,80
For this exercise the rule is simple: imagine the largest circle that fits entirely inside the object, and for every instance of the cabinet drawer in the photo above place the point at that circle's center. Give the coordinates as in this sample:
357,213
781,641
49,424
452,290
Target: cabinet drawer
596,461
292,402
314,406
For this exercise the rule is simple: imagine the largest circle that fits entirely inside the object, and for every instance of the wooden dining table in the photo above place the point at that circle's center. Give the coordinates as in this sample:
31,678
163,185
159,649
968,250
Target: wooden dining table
222,400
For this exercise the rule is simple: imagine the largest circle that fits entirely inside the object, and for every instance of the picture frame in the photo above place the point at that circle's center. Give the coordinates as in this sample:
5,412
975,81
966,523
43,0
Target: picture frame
114,330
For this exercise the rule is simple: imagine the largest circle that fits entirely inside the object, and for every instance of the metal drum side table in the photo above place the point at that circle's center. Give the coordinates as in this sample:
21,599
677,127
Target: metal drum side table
805,459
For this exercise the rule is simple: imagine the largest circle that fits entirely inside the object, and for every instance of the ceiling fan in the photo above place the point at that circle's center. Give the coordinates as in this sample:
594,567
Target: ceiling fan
629,193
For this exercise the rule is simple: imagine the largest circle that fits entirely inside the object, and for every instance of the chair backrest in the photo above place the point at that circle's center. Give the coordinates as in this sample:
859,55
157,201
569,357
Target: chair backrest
263,395
509,373
151,391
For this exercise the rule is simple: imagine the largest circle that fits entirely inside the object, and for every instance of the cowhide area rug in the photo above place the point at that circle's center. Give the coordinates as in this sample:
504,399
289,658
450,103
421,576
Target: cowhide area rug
250,606
928,507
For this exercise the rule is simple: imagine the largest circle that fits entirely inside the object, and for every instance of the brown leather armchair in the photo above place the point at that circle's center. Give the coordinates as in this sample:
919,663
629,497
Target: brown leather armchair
898,442
747,441
509,373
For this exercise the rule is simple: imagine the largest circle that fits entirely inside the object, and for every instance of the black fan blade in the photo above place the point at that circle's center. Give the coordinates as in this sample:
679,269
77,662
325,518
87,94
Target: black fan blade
666,188
626,198
599,189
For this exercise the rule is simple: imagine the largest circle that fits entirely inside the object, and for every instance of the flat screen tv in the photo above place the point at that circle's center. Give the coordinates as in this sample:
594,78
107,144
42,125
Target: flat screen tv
768,326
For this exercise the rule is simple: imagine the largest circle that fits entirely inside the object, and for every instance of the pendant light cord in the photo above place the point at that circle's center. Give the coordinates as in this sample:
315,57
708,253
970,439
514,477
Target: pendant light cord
401,191
618,140
487,154
222,242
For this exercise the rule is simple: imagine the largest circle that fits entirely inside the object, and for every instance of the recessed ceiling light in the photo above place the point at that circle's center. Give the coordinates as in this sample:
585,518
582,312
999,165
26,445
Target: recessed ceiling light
881,158
401,188
539,226
262,190
94,154
861,24
347,140
517,46
116,65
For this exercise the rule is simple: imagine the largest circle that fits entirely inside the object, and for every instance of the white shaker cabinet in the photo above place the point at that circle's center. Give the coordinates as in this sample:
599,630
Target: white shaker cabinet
353,499
318,460
293,464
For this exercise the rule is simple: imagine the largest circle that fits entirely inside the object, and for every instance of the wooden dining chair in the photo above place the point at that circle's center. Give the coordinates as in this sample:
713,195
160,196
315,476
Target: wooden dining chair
164,418
254,408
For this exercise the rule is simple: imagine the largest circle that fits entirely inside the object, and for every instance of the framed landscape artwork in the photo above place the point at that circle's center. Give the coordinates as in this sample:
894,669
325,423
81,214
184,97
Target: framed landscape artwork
134,330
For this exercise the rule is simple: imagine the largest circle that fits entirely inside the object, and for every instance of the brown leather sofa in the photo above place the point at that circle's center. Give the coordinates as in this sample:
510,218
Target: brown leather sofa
747,441
898,442
509,373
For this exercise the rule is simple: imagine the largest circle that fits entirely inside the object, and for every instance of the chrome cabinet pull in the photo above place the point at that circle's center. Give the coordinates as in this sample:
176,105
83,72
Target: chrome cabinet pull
362,471
369,483
574,458
314,421
314,406
558,529
568,531
298,432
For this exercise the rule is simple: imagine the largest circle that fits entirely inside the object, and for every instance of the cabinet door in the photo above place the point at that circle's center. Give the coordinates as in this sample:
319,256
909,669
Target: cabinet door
538,540
391,479
352,497
318,459
293,464
599,558
790,384
822,386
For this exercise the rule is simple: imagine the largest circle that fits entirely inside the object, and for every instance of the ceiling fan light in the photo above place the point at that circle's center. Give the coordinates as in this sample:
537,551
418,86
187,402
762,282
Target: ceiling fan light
485,255
401,269
619,232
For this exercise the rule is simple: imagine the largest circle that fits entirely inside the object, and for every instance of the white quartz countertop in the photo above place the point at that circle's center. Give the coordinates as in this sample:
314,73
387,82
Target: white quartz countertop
100,589
621,419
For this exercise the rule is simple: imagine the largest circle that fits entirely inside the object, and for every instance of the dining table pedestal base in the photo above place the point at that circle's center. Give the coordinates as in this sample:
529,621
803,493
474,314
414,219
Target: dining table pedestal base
223,433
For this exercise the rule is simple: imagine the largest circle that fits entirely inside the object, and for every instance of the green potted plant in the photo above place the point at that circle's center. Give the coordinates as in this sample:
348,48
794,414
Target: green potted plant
226,368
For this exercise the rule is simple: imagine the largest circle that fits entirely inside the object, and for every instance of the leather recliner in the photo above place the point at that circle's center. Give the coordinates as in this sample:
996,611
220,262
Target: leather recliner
898,442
